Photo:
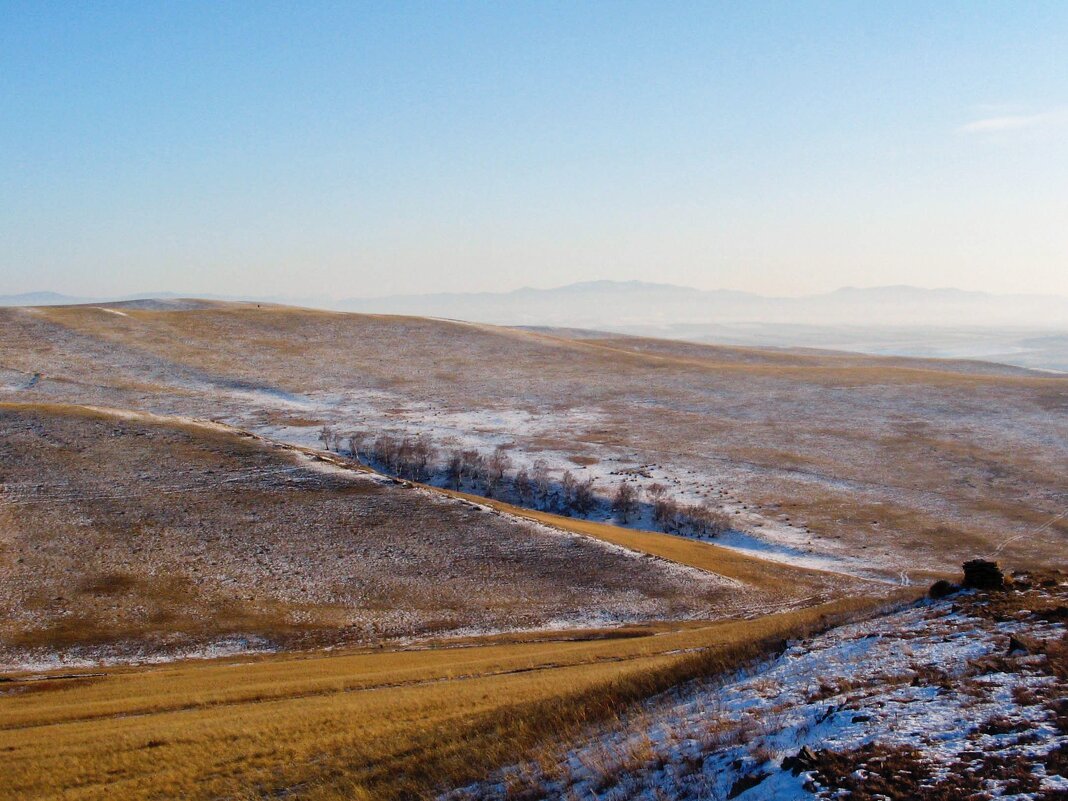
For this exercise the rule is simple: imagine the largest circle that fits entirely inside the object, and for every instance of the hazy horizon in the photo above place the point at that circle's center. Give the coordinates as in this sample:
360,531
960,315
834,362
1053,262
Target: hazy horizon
167,292
359,150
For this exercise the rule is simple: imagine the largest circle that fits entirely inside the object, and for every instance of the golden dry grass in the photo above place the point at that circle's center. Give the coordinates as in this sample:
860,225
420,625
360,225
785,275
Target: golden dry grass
124,534
766,576
355,723
962,456
362,725
366,723
940,456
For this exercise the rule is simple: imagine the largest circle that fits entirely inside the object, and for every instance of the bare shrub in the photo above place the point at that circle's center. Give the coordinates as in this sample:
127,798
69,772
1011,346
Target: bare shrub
707,521
474,469
566,500
412,458
625,502
585,498
384,452
496,466
665,512
524,487
356,444
327,437
699,520
541,485
454,469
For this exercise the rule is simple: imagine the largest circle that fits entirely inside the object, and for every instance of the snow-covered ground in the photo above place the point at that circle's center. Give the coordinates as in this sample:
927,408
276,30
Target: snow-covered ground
179,518
770,537
847,463
42,660
964,695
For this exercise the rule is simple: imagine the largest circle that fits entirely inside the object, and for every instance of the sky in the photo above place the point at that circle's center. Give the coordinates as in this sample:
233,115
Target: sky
351,149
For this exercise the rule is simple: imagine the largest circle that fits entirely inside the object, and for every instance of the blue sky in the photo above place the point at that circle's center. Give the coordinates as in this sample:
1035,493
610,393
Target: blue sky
359,149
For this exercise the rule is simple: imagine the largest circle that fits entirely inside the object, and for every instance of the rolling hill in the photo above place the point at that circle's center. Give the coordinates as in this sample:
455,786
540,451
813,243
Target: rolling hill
176,480
130,536
862,463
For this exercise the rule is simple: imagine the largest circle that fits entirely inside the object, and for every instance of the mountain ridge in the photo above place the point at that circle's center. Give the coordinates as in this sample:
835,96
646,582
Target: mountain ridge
617,305
612,304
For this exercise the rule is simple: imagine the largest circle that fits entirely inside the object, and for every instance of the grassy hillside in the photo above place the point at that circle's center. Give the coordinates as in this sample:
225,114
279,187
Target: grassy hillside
390,725
465,633
127,534
124,535
904,464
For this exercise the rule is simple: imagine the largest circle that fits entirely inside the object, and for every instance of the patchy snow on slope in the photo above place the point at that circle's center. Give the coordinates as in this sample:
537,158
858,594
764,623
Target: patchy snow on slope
941,689
518,430
46,660
308,547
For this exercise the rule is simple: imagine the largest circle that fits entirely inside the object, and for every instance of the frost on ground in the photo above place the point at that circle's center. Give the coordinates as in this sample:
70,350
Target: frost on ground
963,698
48,660
768,536
125,536
850,462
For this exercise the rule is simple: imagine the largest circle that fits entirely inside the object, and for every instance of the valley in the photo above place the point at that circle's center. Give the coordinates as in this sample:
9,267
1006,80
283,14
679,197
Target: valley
257,551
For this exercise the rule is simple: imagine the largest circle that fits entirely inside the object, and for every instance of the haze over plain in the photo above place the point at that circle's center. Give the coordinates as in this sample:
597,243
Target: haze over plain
608,401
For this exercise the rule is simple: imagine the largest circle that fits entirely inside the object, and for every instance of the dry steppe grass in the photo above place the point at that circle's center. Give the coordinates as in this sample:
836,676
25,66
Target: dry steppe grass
774,582
385,725
118,531
125,533
909,463
130,535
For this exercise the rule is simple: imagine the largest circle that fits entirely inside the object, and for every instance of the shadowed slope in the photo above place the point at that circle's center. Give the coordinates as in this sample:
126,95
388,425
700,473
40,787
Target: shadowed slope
132,535
906,463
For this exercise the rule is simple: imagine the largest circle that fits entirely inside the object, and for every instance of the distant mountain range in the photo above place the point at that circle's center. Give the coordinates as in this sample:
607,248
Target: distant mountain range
1023,330
624,305
41,299
620,305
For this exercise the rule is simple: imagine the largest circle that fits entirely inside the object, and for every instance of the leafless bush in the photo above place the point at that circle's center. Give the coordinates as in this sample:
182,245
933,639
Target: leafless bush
524,488
330,438
707,521
356,444
665,511
576,497
414,457
566,500
699,520
496,466
454,469
585,498
384,452
474,469
625,502
541,484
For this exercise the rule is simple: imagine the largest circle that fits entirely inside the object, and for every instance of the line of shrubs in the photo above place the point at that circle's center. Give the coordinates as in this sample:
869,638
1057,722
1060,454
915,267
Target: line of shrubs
416,458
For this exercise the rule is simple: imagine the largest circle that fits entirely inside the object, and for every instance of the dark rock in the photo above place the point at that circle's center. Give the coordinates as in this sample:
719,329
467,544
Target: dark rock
804,760
1055,615
942,588
746,783
980,574
1017,647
